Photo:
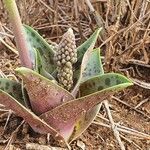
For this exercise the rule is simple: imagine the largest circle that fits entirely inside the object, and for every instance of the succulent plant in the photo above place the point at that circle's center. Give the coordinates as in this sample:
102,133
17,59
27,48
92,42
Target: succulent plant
52,84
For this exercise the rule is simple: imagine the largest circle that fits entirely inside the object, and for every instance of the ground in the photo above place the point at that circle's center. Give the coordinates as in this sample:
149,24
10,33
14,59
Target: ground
125,46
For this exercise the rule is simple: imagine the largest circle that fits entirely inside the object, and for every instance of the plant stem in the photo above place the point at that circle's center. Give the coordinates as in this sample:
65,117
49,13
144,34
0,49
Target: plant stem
19,33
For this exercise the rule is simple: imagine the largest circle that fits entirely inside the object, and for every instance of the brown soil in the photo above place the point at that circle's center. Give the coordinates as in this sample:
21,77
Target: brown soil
125,45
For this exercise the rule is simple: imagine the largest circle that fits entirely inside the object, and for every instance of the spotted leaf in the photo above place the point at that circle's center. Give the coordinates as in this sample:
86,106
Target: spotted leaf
39,66
66,117
13,88
94,84
94,66
101,82
35,122
83,47
88,45
44,94
46,50
91,66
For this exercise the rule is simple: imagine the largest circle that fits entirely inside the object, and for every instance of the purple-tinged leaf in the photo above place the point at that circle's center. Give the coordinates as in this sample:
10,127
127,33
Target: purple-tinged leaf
44,95
95,84
64,118
35,122
67,116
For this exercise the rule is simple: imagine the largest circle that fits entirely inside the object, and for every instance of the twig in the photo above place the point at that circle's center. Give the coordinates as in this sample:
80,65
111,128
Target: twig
78,19
131,142
132,108
125,130
141,83
8,117
141,103
113,126
138,62
97,16
8,46
13,136
2,75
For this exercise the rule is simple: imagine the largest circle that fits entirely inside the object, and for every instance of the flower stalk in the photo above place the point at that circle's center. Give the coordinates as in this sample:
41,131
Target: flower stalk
19,33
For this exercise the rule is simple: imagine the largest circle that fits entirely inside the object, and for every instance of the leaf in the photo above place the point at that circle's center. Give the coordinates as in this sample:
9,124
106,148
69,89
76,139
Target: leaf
46,50
82,49
39,66
101,82
95,84
36,123
13,88
91,66
44,95
65,118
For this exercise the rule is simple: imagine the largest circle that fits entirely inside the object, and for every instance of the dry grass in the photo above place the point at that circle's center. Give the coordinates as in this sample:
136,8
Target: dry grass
125,45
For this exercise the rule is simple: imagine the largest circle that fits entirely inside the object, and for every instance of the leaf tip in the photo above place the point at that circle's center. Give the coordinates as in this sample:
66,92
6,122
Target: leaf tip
21,70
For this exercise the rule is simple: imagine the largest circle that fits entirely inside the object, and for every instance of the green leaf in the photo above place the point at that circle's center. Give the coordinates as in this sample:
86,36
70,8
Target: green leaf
35,122
39,66
13,88
66,117
101,82
83,48
95,84
35,41
44,95
91,66
88,45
